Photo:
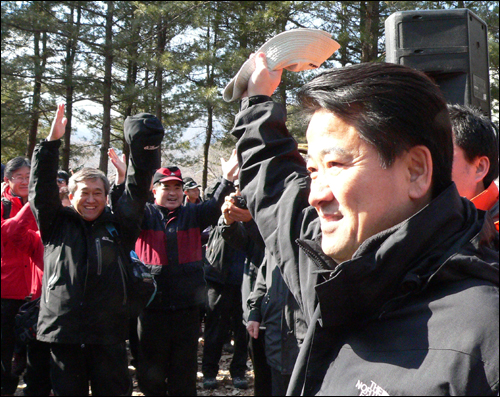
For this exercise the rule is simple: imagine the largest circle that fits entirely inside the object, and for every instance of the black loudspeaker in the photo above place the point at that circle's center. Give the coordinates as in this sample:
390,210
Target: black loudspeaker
450,46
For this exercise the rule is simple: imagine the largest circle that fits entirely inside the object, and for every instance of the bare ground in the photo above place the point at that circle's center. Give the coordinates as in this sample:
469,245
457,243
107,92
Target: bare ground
225,388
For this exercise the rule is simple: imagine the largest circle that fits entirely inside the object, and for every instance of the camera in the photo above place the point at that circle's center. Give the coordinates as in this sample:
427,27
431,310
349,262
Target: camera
240,202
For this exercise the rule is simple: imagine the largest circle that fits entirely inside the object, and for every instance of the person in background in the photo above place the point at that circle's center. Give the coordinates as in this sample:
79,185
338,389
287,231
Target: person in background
395,273
240,231
191,191
224,276
62,178
24,233
170,244
475,159
84,310
16,271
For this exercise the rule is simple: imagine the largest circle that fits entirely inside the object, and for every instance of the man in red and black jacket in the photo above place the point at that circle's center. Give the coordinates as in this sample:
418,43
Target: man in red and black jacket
170,243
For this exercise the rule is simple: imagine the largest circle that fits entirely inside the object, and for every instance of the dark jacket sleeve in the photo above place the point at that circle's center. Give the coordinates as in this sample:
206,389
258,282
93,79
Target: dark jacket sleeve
254,301
274,182
209,211
43,191
130,205
240,235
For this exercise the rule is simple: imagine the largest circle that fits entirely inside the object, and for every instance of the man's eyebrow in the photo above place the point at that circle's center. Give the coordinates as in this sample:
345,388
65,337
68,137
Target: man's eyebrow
332,149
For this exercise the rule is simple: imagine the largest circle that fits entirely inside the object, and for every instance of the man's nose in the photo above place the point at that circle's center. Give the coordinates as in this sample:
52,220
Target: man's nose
320,192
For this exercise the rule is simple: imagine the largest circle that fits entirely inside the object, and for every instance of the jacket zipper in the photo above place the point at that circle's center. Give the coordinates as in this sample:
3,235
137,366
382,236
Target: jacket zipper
99,256
122,270
313,255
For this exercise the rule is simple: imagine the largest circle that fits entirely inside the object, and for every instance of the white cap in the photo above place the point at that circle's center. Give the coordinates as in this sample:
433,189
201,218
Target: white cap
294,50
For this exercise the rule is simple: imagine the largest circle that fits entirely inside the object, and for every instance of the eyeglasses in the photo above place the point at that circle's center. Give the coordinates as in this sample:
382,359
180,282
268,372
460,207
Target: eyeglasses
20,178
61,180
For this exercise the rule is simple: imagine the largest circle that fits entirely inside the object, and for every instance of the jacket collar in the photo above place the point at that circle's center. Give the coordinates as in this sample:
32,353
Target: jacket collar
397,261
16,200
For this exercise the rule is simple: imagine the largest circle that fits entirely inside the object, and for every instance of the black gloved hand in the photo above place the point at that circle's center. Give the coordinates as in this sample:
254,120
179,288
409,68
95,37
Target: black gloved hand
144,133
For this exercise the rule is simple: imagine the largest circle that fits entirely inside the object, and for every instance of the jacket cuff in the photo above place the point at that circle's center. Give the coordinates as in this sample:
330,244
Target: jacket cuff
253,100
255,315
51,144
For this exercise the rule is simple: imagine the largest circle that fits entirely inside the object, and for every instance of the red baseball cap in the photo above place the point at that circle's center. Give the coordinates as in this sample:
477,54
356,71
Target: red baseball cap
167,174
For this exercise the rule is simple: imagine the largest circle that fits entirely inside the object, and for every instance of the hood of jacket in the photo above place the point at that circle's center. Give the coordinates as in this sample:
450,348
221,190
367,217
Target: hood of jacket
447,240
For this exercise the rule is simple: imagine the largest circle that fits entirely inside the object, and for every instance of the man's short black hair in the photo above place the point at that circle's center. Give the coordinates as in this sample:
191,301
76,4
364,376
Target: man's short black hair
14,164
64,175
393,107
477,136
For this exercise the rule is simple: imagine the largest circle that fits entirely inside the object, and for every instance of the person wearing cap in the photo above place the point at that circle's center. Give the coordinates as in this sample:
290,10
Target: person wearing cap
396,274
191,191
170,244
475,163
84,308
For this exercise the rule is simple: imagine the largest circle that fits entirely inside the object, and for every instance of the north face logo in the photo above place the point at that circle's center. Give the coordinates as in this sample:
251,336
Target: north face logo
151,147
372,390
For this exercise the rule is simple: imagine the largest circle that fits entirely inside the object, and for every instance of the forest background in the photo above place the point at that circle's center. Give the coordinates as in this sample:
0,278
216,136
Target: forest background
107,60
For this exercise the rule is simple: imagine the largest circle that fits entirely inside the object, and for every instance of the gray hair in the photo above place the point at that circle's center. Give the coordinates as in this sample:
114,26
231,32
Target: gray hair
87,173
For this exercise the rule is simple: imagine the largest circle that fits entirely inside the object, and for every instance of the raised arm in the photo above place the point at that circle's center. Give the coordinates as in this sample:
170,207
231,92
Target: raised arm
208,212
20,230
144,134
43,190
273,175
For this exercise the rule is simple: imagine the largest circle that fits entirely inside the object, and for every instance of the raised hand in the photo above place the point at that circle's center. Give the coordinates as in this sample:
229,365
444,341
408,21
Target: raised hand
119,164
230,168
263,81
58,125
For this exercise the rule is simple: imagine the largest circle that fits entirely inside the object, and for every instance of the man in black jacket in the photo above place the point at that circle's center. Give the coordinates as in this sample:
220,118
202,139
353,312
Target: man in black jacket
84,308
393,270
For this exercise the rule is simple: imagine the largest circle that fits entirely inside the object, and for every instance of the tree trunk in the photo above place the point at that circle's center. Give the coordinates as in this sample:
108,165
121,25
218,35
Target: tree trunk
39,67
132,69
160,49
344,23
70,59
206,145
108,64
369,24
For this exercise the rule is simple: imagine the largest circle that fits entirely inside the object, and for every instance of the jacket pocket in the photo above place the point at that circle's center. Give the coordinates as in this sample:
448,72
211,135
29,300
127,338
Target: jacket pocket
52,281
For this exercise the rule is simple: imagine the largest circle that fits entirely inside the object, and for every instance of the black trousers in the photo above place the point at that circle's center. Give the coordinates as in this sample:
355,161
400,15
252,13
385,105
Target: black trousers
280,382
261,369
10,307
73,366
37,377
168,352
224,312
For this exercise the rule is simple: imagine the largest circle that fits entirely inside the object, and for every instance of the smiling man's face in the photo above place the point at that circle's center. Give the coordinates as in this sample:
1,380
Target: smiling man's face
169,194
354,196
89,198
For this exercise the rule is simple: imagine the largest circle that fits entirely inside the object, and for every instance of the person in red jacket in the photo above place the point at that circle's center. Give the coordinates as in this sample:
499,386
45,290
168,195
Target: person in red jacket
16,271
24,233
475,159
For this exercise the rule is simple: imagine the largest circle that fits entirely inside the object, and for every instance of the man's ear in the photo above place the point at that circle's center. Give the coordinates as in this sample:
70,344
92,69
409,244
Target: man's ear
419,163
482,166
